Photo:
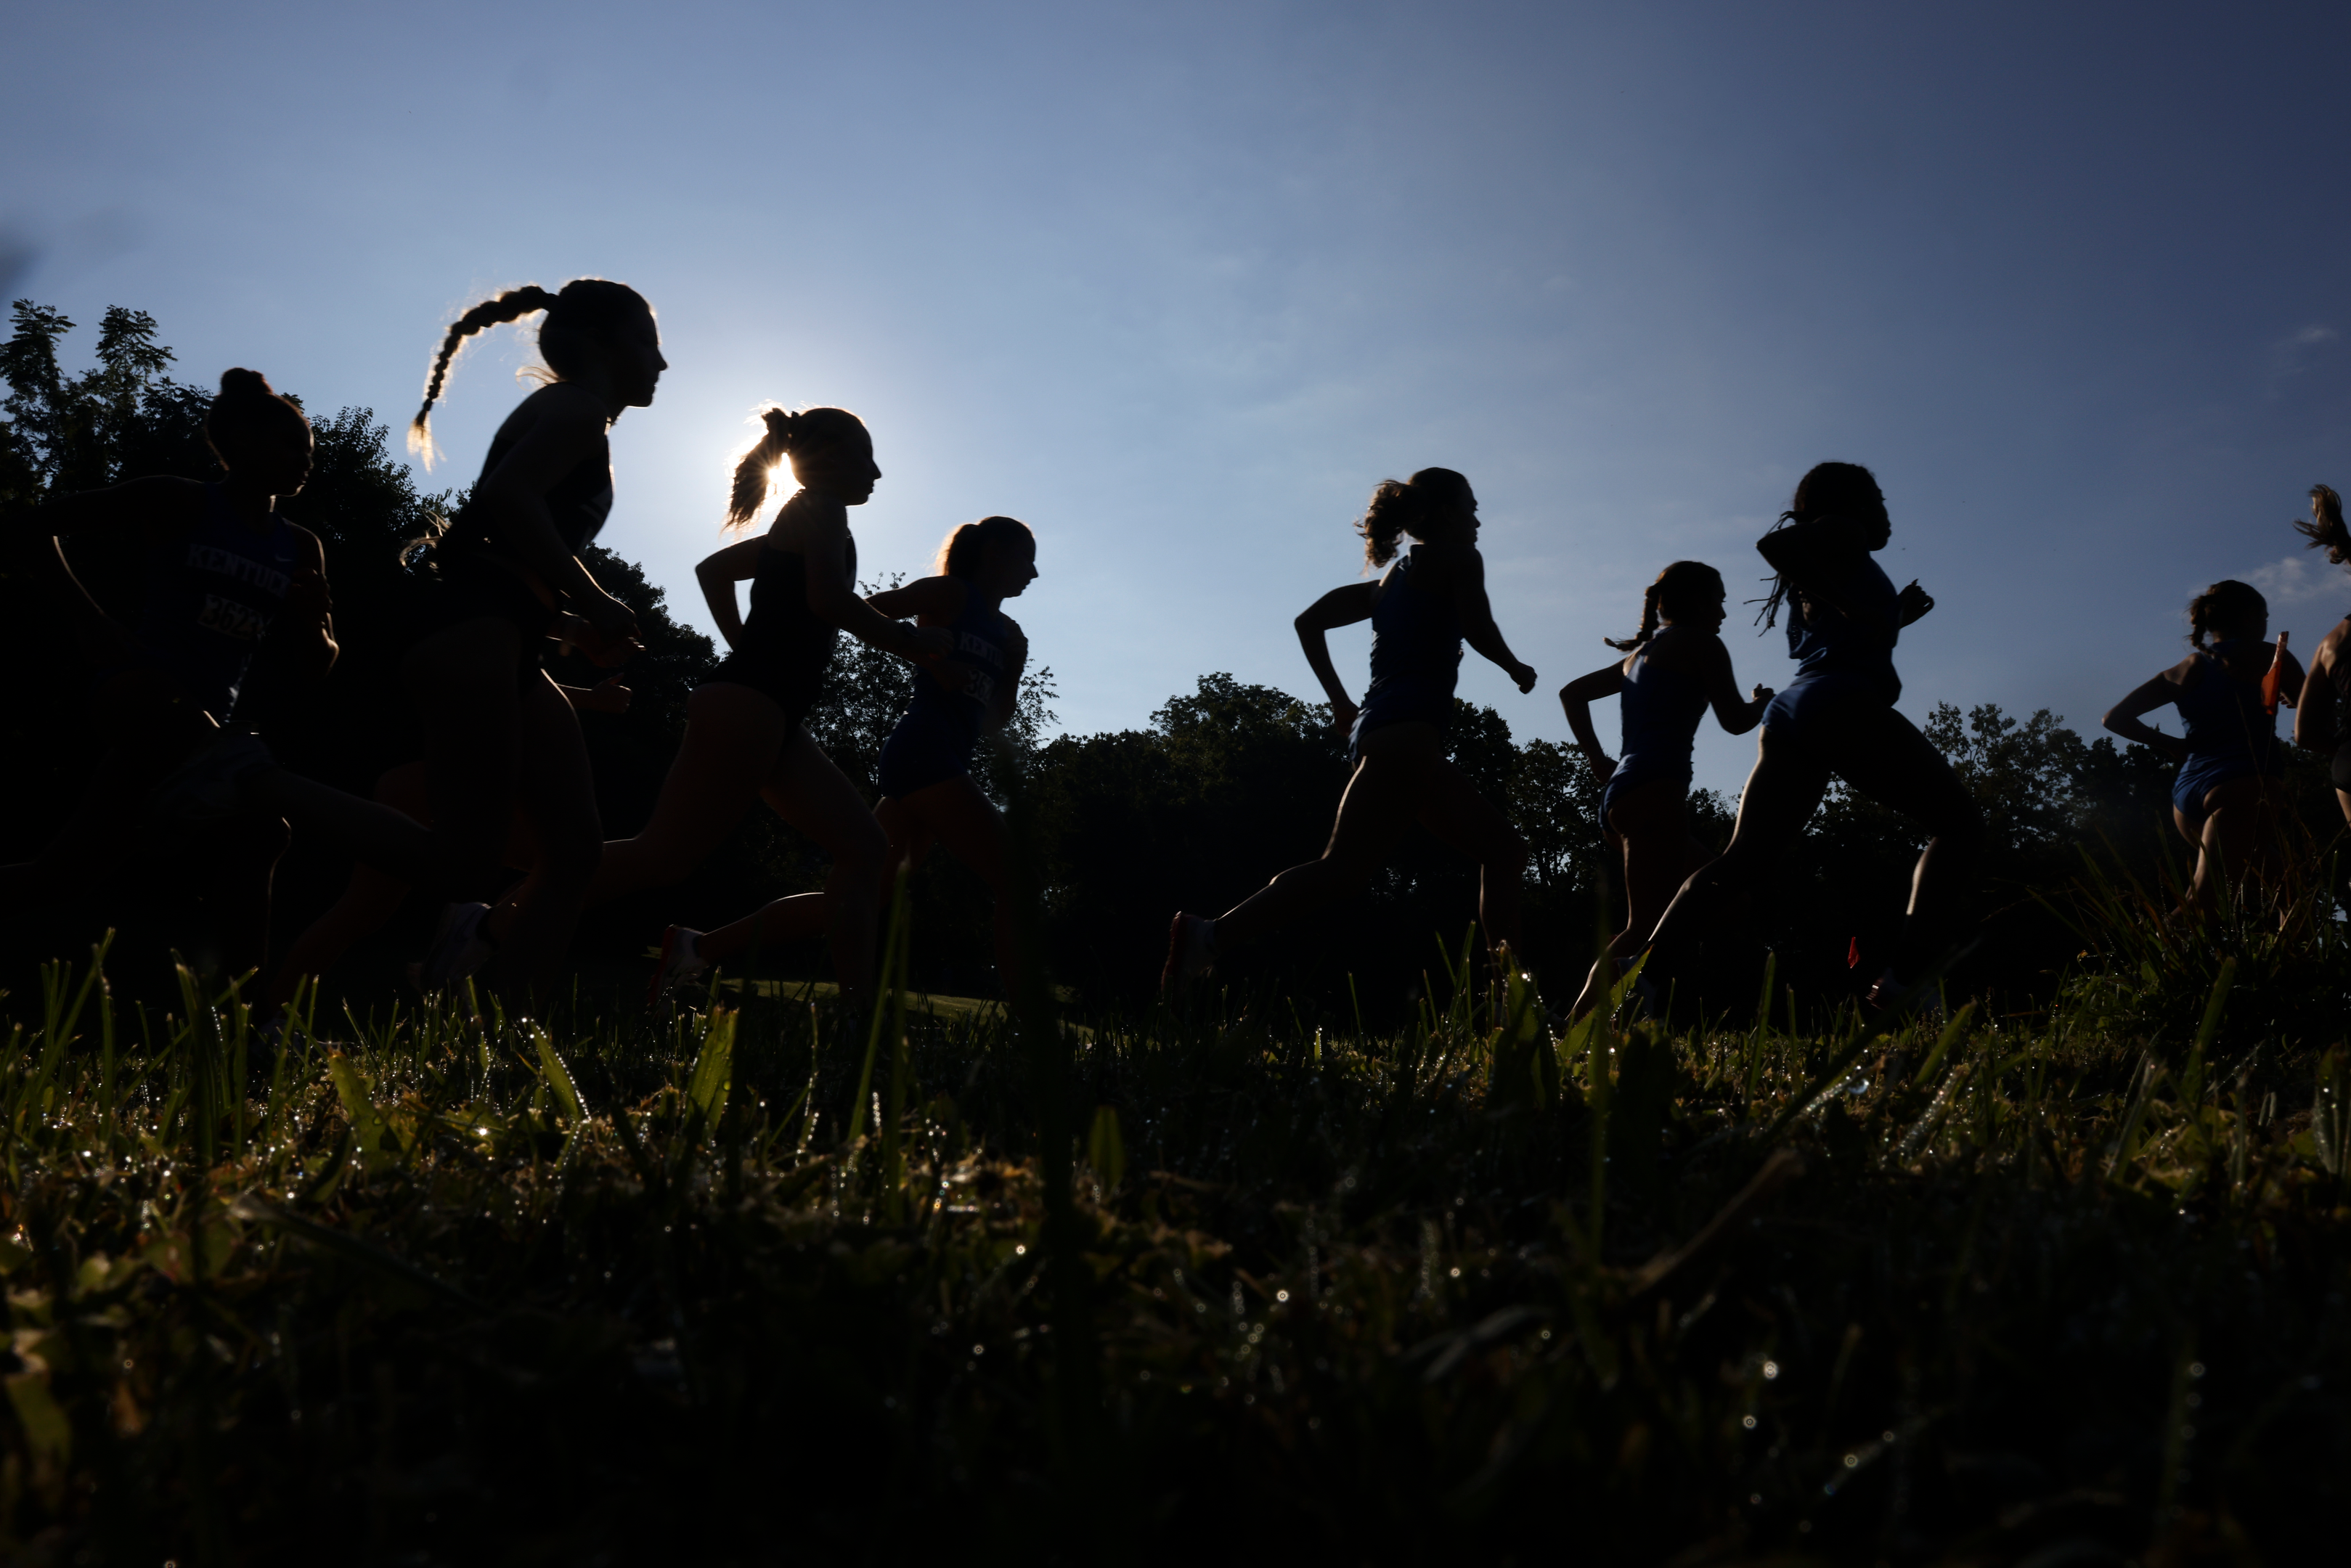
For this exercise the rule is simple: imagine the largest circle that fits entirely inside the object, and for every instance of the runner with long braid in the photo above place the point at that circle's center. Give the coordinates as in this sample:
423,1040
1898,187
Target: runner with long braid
507,578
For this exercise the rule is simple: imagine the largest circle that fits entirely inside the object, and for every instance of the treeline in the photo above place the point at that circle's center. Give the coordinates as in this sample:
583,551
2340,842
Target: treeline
1225,786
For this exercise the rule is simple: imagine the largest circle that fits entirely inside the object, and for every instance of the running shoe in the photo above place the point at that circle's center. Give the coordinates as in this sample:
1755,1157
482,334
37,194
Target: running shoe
1189,955
679,963
459,948
203,788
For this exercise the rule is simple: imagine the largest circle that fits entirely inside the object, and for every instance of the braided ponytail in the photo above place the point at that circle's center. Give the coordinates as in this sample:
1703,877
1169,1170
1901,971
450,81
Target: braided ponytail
512,306
1682,589
586,309
785,433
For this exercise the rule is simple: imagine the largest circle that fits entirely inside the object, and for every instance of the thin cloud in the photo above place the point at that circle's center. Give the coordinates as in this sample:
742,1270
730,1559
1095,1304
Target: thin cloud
2294,354
2296,581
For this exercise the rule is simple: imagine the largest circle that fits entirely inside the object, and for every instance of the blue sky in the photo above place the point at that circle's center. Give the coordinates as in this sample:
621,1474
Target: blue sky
1177,284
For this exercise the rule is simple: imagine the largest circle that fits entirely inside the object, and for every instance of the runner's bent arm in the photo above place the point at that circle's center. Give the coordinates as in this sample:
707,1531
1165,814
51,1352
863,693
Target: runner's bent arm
834,600
1467,571
2316,722
1577,697
308,613
1340,607
1816,558
1016,660
2125,718
718,572
1737,715
567,430
927,600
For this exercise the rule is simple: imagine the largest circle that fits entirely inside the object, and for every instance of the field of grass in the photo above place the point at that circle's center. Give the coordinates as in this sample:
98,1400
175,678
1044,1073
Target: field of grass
736,1286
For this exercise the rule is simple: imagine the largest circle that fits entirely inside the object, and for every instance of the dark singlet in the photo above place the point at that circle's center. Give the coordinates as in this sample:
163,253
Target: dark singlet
1840,663
1660,709
785,648
1415,657
2340,771
934,739
2229,734
209,599
480,579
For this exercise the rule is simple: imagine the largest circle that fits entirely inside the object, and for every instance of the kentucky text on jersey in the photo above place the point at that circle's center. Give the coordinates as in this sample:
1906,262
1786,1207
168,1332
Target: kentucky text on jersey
243,568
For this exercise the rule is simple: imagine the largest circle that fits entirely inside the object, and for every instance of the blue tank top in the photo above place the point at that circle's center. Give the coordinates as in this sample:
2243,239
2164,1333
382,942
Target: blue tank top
1822,640
2224,715
1659,710
1415,641
979,638
209,599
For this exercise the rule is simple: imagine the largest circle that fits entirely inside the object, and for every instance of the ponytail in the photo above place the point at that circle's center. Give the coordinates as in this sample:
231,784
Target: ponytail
1400,507
2224,608
1680,589
2325,530
966,545
245,403
785,434
1649,623
588,307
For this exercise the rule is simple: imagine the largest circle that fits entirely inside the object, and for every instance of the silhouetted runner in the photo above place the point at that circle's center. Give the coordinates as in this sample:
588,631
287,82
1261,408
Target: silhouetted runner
1674,665
506,579
220,567
1836,718
744,738
1421,610
2231,781
2320,717
928,797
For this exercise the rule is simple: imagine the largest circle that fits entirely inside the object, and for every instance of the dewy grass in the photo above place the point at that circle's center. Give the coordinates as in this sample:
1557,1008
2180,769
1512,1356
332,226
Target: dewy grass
734,1286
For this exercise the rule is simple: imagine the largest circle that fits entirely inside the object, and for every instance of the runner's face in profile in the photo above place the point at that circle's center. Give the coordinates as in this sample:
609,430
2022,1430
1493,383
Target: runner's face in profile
633,359
1010,569
1709,619
276,464
1458,522
846,471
